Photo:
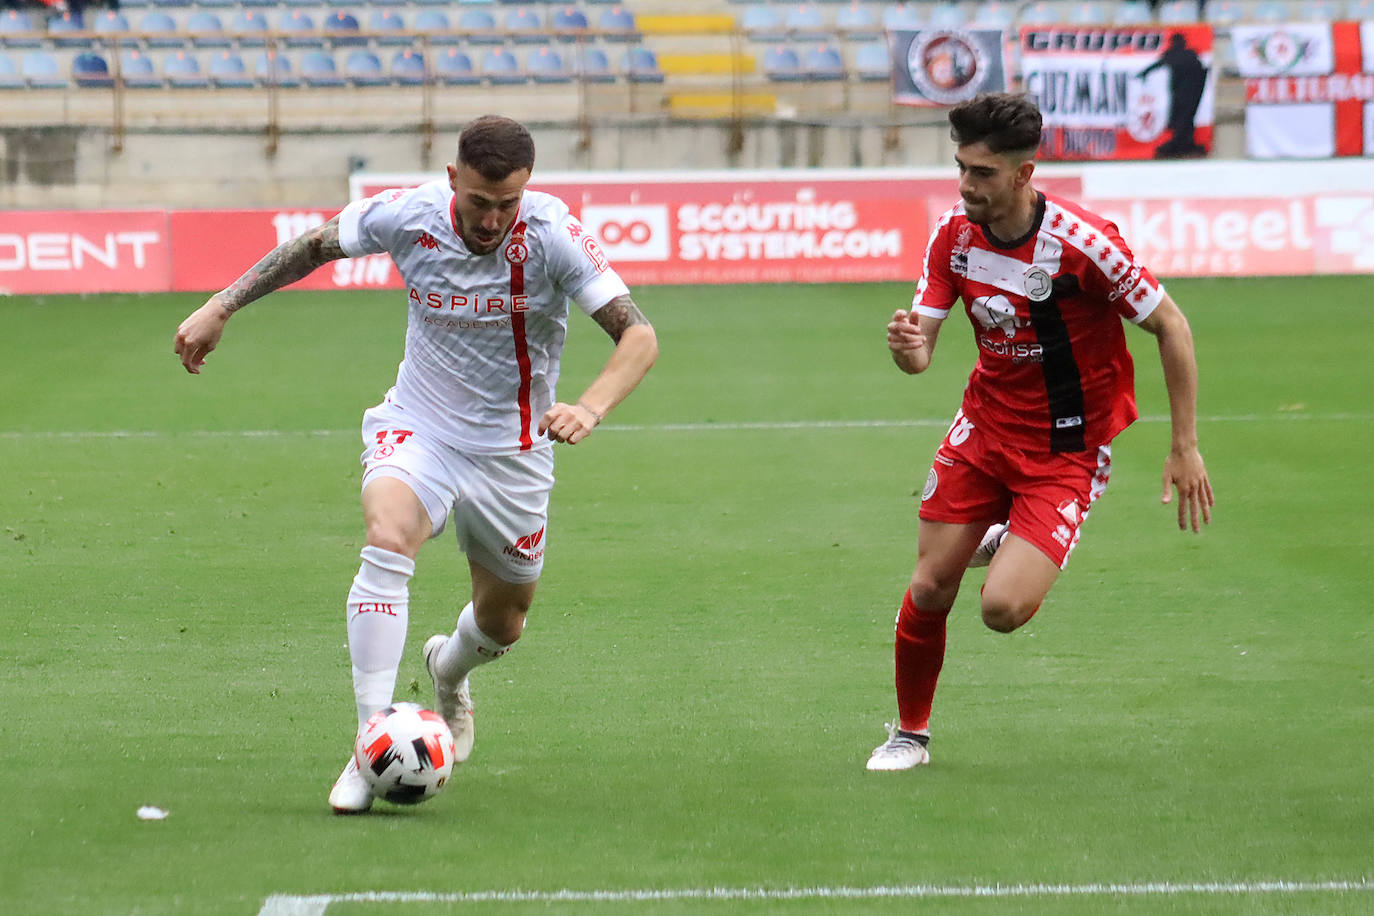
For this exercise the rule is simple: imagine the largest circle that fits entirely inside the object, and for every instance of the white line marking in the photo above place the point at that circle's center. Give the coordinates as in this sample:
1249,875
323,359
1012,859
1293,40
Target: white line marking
316,904
939,423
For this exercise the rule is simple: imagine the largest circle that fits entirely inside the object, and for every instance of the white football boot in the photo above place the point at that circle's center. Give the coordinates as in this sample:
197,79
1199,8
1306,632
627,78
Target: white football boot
351,793
453,703
901,751
988,546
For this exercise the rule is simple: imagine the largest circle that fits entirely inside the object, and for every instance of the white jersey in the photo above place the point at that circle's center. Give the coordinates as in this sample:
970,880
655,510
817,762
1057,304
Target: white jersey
485,332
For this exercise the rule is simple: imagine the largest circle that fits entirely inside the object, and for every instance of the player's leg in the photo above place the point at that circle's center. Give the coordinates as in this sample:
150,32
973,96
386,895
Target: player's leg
1018,580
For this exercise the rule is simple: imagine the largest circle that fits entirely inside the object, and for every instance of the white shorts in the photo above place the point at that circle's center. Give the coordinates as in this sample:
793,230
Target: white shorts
500,503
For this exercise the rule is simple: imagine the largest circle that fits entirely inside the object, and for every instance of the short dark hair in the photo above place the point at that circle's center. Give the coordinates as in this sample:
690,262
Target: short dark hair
1007,122
496,147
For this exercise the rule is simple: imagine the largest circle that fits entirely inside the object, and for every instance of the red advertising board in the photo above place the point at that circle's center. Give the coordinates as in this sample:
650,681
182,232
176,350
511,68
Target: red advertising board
79,251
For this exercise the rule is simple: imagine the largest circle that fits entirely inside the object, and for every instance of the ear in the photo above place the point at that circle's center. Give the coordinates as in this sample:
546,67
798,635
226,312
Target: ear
453,177
1024,172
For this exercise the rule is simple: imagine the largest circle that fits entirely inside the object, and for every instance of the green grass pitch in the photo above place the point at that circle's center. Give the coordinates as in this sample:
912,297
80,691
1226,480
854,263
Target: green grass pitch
708,662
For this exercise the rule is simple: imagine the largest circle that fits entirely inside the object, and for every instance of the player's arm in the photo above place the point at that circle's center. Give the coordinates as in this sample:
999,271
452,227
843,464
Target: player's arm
911,339
636,348
282,266
1183,469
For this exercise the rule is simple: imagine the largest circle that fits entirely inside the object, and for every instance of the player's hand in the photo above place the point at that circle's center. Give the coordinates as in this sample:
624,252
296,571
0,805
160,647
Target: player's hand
199,334
570,423
1184,471
907,342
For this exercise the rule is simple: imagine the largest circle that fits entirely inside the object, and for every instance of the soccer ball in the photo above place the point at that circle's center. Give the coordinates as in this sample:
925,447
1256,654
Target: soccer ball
405,753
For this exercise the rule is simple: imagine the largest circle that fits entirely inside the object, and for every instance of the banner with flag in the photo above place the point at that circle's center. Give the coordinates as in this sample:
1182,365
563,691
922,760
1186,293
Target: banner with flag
1142,92
946,66
1306,88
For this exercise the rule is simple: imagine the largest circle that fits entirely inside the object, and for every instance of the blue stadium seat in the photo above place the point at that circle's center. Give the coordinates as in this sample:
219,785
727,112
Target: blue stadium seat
1360,10
275,68
1132,12
782,65
389,28
1178,12
170,4
1320,10
227,71
113,26
1224,12
435,23
300,30
160,30
10,77
762,23
546,66
136,70
618,24
858,21
249,25
408,68
1269,11
206,30
946,15
500,67
903,16
641,66
90,69
872,62
454,68
214,4
182,70
479,26
1090,12
805,22
343,30
525,25
18,31
40,70
363,68
570,23
593,66
386,3
823,63
319,71
252,3
65,31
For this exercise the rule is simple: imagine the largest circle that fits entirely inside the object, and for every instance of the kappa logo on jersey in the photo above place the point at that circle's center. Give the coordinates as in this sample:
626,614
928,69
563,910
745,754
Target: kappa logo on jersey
527,549
427,241
1126,284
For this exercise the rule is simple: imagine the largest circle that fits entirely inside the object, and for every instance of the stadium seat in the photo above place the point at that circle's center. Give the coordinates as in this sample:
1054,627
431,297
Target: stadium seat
524,25
1269,11
872,62
275,69
249,26
10,77
479,26
805,22
1132,12
312,4
389,27
823,63
945,15
364,68
762,23
66,31
319,71
214,4
500,67
1090,12
454,68
782,65
1320,11
40,70
1223,12
227,71
858,21
546,66
113,27
903,17
994,16
641,66
1360,10
618,24
386,3
136,71
90,69
343,30
593,66
169,4
206,30
160,30
408,68
436,25
569,23
125,5
18,31
300,30
1178,12
182,70
253,3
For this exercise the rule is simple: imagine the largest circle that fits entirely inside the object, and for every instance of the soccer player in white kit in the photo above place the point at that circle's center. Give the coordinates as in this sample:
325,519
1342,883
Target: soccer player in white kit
469,426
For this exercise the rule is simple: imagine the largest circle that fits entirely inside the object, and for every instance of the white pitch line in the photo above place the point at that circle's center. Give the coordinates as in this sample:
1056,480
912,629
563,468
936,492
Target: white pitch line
316,904
763,425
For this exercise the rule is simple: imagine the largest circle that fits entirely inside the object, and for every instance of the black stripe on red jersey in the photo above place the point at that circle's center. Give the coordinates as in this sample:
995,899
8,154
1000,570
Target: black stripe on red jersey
1063,383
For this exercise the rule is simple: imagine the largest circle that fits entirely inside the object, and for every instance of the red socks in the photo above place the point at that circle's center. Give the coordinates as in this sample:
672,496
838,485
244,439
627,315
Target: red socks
920,655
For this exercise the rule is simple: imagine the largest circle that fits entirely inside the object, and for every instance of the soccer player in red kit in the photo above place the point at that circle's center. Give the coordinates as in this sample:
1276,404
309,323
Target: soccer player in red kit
1046,285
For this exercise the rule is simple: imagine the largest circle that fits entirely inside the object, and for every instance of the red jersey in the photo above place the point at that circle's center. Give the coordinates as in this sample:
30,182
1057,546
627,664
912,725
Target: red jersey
1053,372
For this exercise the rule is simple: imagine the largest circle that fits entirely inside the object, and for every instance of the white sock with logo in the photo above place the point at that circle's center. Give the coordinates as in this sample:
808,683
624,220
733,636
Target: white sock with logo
467,648
378,612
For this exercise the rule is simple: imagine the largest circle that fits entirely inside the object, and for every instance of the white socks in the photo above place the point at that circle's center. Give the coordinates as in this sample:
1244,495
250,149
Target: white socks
378,612
467,648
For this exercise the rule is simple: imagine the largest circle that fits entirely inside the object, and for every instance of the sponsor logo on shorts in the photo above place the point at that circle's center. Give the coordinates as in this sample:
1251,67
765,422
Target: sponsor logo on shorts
527,549
932,481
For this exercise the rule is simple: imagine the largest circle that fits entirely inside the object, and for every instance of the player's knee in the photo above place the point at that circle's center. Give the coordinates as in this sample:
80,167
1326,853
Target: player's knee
930,592
389,537
1006,613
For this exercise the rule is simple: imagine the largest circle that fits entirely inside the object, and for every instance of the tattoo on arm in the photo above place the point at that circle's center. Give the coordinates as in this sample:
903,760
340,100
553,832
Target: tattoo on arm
617,315
284,265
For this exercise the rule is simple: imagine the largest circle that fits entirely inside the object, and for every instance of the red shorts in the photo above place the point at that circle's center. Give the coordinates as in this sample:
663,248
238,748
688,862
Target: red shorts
1044,495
